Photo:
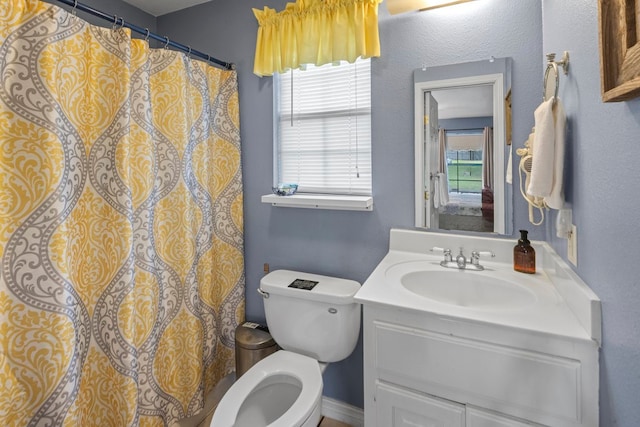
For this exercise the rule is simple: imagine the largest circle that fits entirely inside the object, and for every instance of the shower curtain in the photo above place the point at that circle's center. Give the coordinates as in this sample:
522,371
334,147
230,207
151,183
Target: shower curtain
121,235
487,176
487,158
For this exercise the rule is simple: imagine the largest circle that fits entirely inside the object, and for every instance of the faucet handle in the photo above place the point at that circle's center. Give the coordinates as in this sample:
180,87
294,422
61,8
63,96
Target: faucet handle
475,256
445,251
484,253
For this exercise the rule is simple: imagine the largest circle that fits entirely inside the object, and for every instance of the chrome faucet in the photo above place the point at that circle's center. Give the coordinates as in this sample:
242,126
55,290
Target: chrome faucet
461,261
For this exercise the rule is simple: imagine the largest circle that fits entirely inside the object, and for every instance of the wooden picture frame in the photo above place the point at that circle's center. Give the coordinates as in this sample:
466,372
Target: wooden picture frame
619,28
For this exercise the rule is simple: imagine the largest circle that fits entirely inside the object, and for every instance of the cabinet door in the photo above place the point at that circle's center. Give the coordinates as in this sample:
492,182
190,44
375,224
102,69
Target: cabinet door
479,418
397,407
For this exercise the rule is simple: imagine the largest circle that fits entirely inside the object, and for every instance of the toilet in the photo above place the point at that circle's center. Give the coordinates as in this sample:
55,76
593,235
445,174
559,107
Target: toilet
315,321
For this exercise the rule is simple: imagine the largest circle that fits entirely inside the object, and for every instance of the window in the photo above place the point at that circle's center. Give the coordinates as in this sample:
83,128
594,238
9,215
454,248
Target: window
464,162
322,128
464,169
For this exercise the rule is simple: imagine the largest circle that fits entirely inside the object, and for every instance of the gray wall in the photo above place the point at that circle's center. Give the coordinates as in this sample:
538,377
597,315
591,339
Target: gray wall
350,244
602,185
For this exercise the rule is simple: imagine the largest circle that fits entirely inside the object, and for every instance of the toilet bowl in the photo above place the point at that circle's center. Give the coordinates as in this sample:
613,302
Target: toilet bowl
314,319
282,390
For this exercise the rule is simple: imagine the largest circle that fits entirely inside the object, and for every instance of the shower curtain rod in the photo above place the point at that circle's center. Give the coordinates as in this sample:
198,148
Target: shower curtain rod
119,21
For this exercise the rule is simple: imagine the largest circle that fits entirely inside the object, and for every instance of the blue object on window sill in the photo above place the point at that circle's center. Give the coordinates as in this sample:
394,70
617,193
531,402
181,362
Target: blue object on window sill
285,189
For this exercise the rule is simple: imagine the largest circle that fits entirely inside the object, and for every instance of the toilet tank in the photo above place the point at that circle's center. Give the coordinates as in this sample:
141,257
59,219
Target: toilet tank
312,314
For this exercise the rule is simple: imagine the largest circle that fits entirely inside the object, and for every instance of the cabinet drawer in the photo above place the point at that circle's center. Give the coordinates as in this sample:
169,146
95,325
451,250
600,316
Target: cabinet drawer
479,418
524,384
397,407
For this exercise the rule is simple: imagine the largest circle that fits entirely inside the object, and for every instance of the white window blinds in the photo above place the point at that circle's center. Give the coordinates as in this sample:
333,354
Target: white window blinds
323,128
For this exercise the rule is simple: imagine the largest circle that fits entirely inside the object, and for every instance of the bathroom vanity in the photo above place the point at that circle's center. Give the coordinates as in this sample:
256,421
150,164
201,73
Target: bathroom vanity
449,347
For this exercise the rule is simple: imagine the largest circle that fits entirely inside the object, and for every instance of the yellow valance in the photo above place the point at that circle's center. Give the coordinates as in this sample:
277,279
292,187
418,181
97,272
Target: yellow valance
315,32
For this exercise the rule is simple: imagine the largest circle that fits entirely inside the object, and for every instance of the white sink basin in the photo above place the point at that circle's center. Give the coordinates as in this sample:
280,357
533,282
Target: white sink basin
465,289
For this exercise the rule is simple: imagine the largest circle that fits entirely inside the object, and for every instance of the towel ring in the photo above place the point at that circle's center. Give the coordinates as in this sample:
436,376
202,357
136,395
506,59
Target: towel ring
552,65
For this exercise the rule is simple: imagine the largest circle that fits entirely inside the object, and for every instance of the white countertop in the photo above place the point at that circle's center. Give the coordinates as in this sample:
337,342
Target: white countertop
549,313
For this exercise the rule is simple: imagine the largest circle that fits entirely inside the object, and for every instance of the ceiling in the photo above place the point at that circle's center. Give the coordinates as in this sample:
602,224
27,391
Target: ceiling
162,7
470,101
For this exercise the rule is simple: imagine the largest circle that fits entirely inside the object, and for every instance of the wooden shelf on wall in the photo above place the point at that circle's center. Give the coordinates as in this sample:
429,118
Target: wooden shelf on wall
619,29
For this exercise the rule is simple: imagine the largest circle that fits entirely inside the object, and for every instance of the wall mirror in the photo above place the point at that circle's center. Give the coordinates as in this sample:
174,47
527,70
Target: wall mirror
462,123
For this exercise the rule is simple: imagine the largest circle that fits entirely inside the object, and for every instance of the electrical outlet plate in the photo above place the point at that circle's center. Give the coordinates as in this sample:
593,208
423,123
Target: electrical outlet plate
572,245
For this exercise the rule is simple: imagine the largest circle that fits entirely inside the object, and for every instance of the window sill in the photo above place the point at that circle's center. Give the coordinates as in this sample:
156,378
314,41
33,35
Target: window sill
321,201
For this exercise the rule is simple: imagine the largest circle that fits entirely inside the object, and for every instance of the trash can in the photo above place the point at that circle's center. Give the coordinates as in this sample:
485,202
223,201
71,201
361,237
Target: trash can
253,343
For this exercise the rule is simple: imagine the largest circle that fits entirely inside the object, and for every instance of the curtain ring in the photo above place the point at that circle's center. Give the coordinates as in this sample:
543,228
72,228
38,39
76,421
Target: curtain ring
189,52
146,37
115,21
121,24
166,45
75,5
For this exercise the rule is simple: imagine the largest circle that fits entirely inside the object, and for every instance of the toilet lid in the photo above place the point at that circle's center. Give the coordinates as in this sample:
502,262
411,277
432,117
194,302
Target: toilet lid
284,363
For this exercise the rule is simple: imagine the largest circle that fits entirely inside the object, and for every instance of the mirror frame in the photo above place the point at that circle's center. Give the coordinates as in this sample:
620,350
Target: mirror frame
466,74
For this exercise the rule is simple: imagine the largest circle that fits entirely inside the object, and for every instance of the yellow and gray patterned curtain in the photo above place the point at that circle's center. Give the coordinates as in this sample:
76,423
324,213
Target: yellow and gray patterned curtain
121,235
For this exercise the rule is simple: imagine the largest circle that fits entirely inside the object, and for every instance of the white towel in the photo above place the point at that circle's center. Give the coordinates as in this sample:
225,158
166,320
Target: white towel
542,150
555,200
548,154
444,189
436,191
440,190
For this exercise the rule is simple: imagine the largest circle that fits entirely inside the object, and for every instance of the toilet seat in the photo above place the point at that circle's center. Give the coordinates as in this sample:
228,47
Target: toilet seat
290,368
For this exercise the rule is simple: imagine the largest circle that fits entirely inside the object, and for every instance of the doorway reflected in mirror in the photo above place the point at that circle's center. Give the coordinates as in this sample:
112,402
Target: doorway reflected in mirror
468,168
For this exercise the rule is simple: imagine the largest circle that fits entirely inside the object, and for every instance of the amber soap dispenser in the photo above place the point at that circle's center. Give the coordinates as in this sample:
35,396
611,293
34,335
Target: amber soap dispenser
524,256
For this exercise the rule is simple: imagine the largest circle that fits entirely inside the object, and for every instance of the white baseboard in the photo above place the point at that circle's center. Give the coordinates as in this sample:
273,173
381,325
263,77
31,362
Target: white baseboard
342,412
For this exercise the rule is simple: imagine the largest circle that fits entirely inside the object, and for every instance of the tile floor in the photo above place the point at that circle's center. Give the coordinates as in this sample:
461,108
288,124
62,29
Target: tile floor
328,422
